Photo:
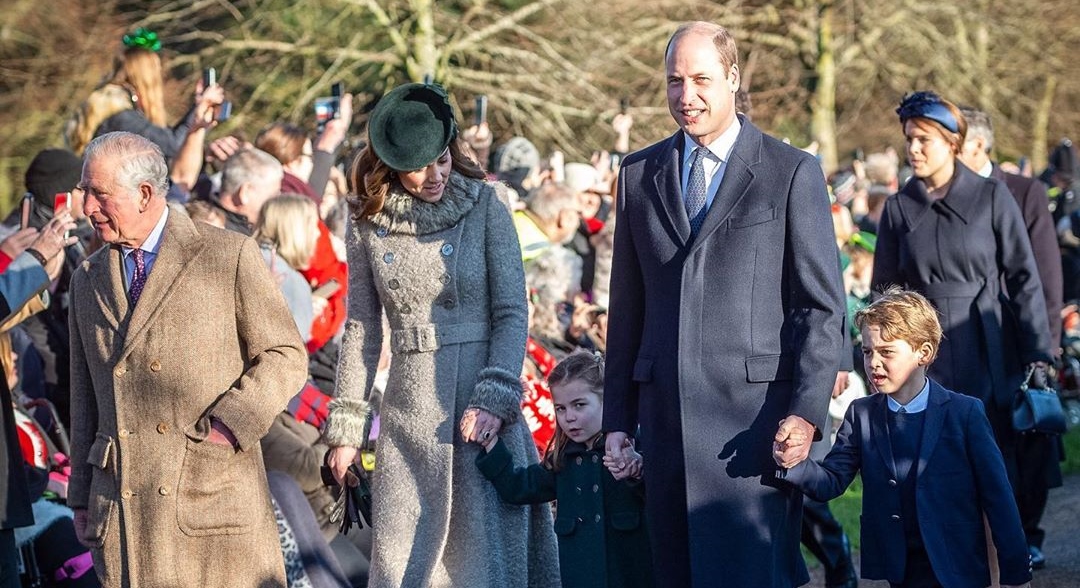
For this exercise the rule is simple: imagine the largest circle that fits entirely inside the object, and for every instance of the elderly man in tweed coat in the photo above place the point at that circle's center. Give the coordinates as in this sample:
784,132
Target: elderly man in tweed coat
183,352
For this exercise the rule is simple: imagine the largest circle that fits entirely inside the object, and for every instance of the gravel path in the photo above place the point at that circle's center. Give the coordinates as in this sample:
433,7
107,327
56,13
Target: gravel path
1062,546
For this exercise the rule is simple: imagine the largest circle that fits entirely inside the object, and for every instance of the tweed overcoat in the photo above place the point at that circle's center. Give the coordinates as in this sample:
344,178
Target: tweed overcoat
969,254
210,337
712,341
450,279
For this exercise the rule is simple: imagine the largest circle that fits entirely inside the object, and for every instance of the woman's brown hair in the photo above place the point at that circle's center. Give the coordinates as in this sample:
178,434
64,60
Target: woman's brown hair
282,140
140,71
370,179
581,366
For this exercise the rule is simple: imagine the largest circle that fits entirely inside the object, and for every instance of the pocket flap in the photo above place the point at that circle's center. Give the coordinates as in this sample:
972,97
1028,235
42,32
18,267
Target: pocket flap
769,368
565,525
99,451
754,218
625,521
643,369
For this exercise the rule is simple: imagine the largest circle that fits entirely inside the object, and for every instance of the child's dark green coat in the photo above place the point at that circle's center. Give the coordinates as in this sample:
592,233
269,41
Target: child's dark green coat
600,522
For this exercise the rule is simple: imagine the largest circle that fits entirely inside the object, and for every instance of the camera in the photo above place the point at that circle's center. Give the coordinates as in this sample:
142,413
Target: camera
209,77
328,108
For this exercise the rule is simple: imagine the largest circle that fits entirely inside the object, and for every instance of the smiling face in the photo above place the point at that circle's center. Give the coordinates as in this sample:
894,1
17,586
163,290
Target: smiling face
119,215
893,366
932,157
700,89
578,409
428,183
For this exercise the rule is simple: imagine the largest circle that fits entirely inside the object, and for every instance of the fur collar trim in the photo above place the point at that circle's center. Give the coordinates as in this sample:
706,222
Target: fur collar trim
404,214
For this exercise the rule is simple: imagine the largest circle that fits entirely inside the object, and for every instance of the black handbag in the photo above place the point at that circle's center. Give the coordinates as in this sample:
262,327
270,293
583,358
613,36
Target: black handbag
1037,410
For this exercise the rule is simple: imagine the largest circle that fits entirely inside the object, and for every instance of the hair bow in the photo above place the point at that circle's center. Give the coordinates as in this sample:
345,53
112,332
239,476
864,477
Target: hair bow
927,105
143,38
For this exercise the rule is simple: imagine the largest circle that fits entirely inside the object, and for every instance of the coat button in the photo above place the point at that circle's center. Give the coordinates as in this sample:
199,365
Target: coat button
595,488
448,303
445,279
578,460
447,249
382,231
163,428
406,309
895,517
892,483
595,458
393,284
162,490
123,434
155,366
598,518
120,370
388,257
578,489
126,494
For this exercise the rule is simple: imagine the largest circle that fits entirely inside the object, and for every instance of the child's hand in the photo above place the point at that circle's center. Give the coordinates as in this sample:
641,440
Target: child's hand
791,445
632,463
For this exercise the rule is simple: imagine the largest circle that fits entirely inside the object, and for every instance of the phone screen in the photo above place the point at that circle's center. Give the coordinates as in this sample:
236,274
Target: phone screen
61,201
27,203
209,77
481,109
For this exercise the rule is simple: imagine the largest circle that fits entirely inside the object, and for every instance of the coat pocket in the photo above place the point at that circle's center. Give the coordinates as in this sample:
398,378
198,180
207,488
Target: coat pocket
565,526
754,218
625,521
101,506
769,368
217,494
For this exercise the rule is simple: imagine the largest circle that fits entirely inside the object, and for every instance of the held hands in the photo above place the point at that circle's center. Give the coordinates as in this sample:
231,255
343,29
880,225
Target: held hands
792,442
480,426
628,464
339,459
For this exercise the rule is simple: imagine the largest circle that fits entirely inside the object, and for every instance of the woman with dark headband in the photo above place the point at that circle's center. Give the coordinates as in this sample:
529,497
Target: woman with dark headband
959,239
431,246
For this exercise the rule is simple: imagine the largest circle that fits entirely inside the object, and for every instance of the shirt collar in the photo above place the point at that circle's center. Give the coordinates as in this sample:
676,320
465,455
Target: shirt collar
720,147
985,170
153,241
917,404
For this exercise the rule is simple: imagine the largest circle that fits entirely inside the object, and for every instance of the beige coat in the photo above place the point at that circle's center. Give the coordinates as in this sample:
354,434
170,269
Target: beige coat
450,279
210,336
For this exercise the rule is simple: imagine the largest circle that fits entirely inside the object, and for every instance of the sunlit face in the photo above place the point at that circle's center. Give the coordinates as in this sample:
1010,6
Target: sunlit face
578,410
890,364
930,154
117,214
700,90
303,165
428,183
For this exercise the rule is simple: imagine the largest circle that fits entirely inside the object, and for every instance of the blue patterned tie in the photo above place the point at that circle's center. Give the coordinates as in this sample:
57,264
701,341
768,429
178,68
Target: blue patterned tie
695,192
138,279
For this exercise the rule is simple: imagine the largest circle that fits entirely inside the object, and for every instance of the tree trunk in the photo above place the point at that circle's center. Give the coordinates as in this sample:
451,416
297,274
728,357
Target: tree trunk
1041,131
823,104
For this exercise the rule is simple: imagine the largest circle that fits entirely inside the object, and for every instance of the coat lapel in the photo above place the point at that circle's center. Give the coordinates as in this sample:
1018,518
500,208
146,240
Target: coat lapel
179,245
107,281
935,419
668,180
736,181
879,432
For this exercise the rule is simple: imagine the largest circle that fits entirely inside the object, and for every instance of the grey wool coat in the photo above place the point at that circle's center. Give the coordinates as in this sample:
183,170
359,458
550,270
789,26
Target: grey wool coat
210,337
450,280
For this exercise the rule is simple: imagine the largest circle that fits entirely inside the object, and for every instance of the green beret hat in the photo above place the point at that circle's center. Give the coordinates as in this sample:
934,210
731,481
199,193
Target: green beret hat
411,126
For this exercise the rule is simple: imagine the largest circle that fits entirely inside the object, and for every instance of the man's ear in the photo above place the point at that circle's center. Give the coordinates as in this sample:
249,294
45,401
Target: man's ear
146,193
926,352
242,195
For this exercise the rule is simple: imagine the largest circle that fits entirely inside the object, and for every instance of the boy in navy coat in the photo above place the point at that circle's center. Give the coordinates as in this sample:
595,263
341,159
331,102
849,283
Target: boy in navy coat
930,468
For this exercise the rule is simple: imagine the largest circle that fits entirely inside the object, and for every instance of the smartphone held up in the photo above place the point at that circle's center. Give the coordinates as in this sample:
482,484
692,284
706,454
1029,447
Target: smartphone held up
328,108
62,203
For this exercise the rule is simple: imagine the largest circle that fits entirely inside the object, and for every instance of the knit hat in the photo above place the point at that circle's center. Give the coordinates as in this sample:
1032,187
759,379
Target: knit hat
517,153
1063,159
411,126
582,177
52,171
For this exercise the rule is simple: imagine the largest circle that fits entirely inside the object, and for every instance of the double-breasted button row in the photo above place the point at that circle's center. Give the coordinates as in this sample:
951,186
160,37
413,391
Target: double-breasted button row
120,371
123,433
163,490
393,284
163,428
382,231
388,257
155,366
448,303
447,249
126,494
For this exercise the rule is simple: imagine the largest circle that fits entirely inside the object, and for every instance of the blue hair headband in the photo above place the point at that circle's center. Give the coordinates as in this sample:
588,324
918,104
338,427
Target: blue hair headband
927,105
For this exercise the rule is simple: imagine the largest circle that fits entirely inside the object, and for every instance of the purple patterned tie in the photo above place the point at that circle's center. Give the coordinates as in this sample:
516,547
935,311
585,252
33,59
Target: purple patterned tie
695,192
138,279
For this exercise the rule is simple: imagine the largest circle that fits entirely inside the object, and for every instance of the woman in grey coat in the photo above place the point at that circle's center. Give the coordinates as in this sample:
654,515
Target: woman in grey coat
436,251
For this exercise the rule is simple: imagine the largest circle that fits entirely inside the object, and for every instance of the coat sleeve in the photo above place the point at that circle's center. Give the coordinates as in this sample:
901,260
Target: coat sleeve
887,252
533,484
1021,277
816,305
498,387
996,497
627,309
830,478
23,279
360,348
84,410
1044,245
276,360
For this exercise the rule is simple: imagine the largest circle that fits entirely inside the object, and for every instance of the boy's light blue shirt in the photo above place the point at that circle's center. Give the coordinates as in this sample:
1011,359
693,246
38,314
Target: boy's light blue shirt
917,404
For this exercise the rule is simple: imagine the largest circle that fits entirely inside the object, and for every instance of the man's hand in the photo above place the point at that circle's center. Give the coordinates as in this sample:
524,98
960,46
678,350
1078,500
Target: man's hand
792,442
18,241
50,242
632,462
840,385
81,519
220,434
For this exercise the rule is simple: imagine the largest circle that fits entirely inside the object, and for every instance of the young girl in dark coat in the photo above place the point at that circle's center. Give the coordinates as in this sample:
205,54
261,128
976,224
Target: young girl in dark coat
600,519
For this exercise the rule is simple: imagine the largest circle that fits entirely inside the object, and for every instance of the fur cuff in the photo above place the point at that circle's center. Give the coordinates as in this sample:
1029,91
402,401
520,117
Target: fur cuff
346,422
498,392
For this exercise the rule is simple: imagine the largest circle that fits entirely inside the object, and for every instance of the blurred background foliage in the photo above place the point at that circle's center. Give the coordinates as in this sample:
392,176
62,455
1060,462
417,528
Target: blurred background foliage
555,71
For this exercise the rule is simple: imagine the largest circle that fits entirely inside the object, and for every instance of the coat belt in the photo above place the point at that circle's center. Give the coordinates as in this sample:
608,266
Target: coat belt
431,336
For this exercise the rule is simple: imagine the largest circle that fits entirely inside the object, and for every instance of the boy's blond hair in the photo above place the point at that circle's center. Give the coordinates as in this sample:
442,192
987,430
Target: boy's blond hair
903,315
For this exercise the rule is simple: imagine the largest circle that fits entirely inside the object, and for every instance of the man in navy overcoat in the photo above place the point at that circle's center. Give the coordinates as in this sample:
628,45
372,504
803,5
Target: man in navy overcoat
727,311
